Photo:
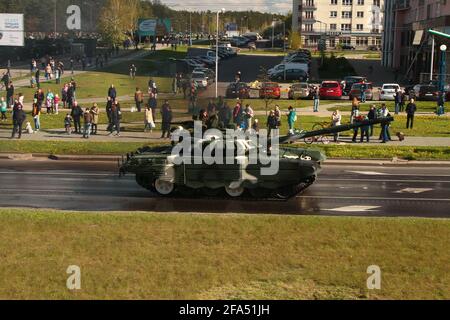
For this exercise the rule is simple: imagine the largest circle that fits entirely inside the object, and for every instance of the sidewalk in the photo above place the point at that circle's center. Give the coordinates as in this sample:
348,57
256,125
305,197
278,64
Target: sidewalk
141,136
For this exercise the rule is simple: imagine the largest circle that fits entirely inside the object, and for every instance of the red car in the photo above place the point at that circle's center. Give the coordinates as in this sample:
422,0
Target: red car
270,90
330,89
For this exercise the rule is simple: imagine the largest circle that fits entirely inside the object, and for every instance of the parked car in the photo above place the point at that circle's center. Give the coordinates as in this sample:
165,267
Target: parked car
280,67
356,91
300,90
200,79
349,81
270,90
424,92
290,74
210,75
330,90
388,91
347,47
237,90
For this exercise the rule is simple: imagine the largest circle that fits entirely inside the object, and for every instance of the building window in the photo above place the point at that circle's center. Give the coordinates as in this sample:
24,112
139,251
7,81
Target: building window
333,14
309,3
360,2
359,27
346,14
347,41
346,27
362,41
309,15
333,2
347,2
308,27
376,3
360,14
333,26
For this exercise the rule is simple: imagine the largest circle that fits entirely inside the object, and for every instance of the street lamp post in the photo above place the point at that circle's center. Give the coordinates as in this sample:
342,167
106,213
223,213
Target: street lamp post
217,52
442,69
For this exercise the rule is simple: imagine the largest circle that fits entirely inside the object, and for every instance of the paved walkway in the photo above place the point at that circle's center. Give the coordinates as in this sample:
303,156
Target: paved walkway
132,133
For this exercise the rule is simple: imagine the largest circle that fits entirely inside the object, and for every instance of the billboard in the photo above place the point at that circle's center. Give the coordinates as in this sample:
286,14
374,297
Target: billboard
154,27
11,30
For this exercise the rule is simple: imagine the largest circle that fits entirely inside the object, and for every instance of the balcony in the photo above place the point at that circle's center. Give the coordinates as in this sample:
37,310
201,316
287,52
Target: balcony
402,5
308,6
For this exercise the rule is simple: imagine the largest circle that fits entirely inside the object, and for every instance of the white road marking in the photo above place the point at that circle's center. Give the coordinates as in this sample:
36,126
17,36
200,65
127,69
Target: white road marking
382,180
369,173
354,209
373,198
414,190
373,173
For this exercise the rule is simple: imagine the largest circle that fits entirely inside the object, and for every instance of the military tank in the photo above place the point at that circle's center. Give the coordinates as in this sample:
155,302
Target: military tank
160,171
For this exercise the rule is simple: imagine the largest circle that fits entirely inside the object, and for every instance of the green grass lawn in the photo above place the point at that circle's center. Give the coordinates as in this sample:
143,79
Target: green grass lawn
95,84
422,106
184,256
358,151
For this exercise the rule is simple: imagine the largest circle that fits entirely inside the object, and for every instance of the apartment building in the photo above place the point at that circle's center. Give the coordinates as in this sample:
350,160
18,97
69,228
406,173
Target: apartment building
406,41
358,23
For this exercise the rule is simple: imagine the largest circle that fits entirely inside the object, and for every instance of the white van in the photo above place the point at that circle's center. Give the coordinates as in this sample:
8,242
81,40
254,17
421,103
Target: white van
280,67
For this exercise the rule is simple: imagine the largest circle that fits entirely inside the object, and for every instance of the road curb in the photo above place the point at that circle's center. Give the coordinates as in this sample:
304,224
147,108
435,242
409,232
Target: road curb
328,162
386,163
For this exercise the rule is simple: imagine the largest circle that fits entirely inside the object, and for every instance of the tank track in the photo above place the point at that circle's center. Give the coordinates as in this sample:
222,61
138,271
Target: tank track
188,193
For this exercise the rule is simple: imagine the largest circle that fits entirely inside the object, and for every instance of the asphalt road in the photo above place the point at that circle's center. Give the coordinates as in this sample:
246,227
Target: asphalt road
340,190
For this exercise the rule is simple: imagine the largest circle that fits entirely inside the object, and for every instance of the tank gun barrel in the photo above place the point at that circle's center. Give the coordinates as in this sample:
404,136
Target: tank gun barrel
336,129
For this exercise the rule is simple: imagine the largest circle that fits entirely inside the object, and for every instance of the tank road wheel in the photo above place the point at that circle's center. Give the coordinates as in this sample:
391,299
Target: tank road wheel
285,193
260,192
164,187
234,192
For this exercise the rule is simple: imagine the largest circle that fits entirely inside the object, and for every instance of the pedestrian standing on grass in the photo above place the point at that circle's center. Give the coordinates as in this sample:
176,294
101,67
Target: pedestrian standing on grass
292,118
364,130
3,108
10,94
138,99
316,98
36,113
95,112
336,119
68,124
19,117
153,103
149,123
166,114
398,100
112,93
56,100
248,117
76,114
87,117
116,115
411,109
272,123
49,101
133,70
372,115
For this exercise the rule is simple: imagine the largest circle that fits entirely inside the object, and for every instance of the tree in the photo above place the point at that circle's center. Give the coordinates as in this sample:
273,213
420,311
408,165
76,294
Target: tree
295,40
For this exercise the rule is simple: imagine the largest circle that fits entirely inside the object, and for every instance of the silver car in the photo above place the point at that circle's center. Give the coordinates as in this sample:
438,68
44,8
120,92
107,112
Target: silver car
200,79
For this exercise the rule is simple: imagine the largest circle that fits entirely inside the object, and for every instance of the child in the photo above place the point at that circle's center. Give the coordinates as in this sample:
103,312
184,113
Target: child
3,108
68,124
56,103
49,101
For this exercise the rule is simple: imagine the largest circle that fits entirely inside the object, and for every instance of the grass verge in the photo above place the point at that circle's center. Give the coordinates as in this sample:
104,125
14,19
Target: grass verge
359,151
174,256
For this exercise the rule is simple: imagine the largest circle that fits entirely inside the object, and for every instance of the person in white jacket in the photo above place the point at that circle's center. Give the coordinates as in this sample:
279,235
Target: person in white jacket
336,121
